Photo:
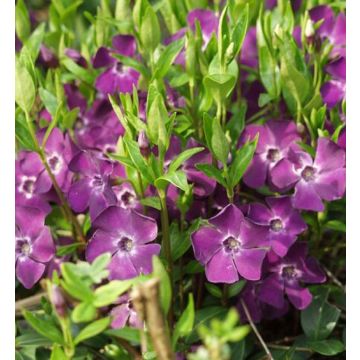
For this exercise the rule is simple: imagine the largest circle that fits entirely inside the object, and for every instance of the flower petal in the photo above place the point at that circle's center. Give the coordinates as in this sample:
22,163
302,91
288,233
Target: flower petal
228,220
142,257
272,291
283,175
306,197
221,268
43,248
249,262
100,243
121,267
298,296
29,271
79,195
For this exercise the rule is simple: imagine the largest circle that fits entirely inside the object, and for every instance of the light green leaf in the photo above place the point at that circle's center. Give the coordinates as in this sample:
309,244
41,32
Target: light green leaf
83,312
182,157
219,142
213,172
24,88
177,178
107,294
92,330
160,272
22,21
185,324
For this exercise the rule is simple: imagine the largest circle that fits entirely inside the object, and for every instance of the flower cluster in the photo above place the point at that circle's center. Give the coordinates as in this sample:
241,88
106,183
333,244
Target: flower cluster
219,142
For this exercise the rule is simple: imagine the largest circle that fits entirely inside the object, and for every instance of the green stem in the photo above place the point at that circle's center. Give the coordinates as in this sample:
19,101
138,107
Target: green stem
166,245
225,294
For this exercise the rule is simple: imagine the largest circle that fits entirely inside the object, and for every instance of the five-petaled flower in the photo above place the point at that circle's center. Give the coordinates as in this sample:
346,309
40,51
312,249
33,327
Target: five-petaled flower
285,276
126,235
229,246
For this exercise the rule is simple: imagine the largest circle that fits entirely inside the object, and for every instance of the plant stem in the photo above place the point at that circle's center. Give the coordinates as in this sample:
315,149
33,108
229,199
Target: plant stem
260,113
256,331
166,245
28,302
225,294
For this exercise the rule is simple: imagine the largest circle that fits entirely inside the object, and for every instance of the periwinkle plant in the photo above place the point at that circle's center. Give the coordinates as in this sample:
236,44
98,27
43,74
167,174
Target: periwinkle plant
180,179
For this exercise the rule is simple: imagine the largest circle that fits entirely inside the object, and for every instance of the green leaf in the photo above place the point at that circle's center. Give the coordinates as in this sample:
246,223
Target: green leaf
31,338
156,120
237,334
320,318
22,133
57,353
177,178
83,74
92,330
268,67
138,160
219,142
127,333
219,85
49,100
241,162
150,30
207,126
202,317
24,88
182,157
107,294
235,289
70,118
67,249
167,58
73,283
33,43
160,272
239,31
83,312
123,160
186,322
336,225
44,327
214,290
152,201
328,347
22,21
213,172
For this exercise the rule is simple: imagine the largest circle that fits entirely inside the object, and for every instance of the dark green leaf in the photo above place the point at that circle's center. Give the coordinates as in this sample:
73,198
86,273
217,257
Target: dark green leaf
177,178
152,201
186,322
213,290
328,347
160,272
336,225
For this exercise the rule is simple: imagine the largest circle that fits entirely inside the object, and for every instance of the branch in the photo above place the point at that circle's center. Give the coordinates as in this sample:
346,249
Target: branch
145,298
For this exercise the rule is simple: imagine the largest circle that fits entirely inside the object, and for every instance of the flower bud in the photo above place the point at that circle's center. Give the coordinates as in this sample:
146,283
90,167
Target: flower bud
143,143
309,31
58,300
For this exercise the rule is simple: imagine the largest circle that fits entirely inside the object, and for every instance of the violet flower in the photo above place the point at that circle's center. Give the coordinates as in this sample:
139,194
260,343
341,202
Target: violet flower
124,314
285,276
282,221
117,77
314,180
34,246
275,140
28,168
230,246
126,235
93,189
333,91
127,198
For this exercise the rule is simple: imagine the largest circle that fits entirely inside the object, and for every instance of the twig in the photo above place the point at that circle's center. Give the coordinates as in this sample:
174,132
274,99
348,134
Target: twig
283,347
334,279
253,326
28,302
146,302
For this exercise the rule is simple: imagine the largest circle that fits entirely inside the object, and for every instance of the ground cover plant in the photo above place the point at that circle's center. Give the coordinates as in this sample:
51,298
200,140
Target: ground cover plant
180,179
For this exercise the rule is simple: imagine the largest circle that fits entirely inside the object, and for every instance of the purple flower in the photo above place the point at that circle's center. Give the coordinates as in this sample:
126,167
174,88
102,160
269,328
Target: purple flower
209,23
126,235
47,58
332,28
93,189
76,56
34,246
314,180
127,198
229,246
275,140
285,276
28,168
258,309
333,91
282,221
124,314
99,128
59,150
117,77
